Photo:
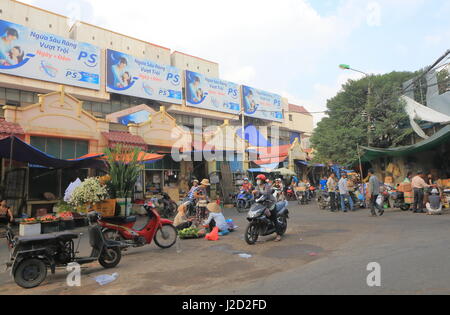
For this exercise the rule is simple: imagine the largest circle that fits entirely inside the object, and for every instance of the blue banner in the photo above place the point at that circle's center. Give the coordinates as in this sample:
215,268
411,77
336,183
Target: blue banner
261,104
38,55
213,94
132,76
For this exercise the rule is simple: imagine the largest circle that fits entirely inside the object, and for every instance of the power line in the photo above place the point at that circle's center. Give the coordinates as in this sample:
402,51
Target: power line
437,62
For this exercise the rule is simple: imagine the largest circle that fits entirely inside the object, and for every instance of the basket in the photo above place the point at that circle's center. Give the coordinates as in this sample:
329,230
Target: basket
106,208
300,189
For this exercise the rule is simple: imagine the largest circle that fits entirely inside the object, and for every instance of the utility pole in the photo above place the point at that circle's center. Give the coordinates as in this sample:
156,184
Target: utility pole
243,139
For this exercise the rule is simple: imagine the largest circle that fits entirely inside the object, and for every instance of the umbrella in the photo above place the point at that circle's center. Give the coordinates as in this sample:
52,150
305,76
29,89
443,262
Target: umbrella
284,172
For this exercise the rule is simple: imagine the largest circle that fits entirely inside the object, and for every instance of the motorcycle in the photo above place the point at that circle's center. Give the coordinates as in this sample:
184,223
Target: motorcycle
290,194
278,194
167,205
32,256
244,201
260,223
324,200
156,229
399,200
302,197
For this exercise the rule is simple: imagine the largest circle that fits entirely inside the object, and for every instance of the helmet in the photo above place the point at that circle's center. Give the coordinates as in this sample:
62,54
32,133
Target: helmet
278,180
261,177
246,179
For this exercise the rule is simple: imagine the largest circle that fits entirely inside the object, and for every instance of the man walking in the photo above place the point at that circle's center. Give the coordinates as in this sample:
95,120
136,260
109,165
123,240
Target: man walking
344,192
419,185
331,186
374,191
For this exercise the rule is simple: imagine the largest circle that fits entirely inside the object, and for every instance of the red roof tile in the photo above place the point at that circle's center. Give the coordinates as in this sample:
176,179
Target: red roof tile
10,128
124,137
298,109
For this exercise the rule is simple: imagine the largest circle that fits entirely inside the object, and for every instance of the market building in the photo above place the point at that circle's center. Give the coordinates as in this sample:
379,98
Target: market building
65,97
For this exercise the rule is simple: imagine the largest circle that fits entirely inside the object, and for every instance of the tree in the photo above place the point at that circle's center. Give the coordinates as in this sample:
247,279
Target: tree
337,136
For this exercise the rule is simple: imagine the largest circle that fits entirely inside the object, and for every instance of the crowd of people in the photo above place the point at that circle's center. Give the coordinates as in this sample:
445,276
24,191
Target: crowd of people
420,191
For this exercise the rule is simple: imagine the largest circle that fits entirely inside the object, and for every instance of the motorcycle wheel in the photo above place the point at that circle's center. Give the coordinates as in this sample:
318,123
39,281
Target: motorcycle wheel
284,223
110,257
405,207
251,234
30,273
240,206
166,236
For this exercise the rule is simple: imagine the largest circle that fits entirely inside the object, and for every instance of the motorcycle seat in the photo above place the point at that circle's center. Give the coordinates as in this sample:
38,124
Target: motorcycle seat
281,205
120,220
64,236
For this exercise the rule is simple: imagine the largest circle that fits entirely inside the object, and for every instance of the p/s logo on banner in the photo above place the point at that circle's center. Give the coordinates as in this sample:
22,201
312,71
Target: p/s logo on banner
233,93
173,78
75,75
90,60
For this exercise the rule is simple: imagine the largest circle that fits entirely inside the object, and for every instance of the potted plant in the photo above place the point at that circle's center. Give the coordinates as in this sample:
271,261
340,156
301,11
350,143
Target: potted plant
124,169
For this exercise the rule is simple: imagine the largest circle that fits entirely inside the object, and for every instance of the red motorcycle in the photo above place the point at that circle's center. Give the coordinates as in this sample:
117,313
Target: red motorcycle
290,193
122,229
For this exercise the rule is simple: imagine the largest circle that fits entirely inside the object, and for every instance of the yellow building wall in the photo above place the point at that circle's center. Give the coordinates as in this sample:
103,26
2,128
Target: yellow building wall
186,62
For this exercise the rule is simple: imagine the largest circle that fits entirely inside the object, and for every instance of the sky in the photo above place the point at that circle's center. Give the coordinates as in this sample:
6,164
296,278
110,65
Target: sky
289,47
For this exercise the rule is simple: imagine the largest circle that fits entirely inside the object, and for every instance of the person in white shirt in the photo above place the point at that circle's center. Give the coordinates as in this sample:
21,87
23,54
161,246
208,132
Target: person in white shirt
344,193
216,215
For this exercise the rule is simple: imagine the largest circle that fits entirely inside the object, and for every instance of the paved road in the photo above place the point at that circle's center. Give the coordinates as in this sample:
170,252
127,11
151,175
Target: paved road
323,253
412,250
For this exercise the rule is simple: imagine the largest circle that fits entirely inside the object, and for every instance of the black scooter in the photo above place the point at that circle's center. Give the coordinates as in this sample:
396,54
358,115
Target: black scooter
260,222
32,256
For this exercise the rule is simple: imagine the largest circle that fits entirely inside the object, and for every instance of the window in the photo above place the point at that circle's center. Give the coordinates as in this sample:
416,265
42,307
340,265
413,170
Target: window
61,148
291,118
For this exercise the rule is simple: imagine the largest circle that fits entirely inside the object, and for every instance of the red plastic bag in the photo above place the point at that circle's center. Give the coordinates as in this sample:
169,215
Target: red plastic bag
214,235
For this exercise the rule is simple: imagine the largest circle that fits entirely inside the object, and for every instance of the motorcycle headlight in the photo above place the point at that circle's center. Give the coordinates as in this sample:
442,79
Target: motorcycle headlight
253,214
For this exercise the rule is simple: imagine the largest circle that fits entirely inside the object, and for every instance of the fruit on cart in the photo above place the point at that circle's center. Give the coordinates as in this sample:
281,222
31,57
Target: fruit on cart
48,218
66,215
29,221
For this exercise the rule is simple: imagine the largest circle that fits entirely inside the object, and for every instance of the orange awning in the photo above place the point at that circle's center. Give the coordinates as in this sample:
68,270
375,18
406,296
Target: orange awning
143,157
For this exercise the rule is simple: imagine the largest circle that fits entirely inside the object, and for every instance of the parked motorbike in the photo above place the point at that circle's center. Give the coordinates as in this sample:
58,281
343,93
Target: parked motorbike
399,200
156,229
260,223
167,205
32,256
244,201
324,200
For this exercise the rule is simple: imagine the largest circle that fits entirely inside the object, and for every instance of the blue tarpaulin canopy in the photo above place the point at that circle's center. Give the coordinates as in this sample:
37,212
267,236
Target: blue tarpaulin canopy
253,136
15,149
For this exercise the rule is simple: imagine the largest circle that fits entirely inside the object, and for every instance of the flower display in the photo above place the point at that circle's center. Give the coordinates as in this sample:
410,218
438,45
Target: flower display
90,192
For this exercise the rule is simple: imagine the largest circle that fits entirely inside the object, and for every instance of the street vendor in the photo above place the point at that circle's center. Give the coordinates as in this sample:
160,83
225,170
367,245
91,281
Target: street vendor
216,218
181,221
6,214
201,195
201,192
190,195
434,206
409,193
